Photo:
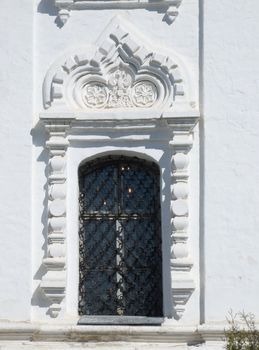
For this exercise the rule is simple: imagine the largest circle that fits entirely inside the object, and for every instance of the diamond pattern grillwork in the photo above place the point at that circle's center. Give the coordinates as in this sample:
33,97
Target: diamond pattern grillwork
120,238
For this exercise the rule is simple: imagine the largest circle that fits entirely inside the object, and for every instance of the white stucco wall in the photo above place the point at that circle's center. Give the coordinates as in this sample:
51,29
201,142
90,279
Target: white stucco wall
217,41
16,96
231,160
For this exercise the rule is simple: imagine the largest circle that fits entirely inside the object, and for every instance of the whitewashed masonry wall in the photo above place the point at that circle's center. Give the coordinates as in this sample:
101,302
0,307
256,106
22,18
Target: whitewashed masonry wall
209,38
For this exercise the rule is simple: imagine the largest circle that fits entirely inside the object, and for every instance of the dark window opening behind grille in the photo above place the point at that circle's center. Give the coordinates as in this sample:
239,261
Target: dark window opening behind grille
120,238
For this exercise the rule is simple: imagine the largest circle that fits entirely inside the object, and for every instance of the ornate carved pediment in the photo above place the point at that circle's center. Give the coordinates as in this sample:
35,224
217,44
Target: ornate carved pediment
121,72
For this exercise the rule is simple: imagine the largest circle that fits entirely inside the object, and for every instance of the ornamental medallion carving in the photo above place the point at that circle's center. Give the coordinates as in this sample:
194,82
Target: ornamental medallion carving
120,92
95,95
144,94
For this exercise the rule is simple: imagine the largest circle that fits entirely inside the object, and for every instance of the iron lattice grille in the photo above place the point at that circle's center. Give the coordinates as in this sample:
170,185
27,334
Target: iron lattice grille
120,238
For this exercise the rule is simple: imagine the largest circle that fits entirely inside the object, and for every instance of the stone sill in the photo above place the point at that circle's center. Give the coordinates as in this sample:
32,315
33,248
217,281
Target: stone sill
22,331
121,320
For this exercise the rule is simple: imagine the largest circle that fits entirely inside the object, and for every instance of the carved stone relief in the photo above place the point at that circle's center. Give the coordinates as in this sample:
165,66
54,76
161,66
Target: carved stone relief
120,92
121,73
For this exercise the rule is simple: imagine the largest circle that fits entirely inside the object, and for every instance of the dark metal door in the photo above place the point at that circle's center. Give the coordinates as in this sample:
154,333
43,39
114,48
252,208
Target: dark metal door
120,238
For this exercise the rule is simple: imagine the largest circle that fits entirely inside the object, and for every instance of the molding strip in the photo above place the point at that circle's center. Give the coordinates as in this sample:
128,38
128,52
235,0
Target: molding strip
65,6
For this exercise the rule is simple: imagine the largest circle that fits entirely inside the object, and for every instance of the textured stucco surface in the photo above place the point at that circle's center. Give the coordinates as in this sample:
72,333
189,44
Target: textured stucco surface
16,110
231,160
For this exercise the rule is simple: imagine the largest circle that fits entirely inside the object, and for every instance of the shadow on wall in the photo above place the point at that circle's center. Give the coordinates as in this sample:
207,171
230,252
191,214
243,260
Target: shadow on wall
47,6
38,134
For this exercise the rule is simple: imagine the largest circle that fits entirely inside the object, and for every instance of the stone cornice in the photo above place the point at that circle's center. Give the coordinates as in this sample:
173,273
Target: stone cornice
65,6
132,129
92,120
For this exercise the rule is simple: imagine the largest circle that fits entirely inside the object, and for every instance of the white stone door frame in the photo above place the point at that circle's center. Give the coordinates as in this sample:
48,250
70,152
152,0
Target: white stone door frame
89,140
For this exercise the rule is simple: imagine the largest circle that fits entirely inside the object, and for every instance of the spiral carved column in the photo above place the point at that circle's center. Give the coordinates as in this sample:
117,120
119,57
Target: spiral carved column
181,261
54,281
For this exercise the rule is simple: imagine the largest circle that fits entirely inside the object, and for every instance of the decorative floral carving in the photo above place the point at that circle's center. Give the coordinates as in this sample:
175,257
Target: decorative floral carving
95,95
144,94
120,82
120,92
